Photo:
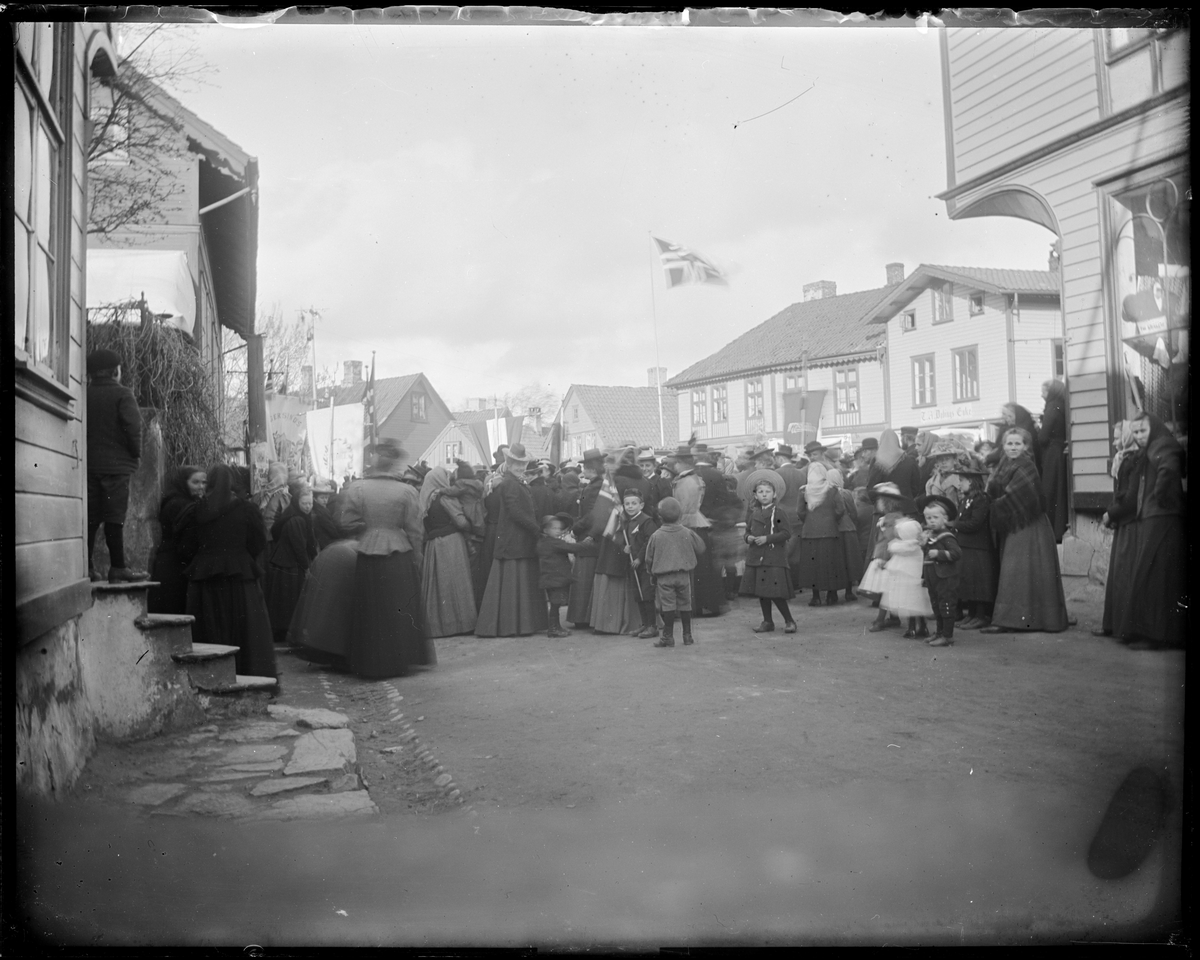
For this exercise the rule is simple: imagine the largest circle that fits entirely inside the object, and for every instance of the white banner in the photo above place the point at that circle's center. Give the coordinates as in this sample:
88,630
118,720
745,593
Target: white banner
287,425
343,438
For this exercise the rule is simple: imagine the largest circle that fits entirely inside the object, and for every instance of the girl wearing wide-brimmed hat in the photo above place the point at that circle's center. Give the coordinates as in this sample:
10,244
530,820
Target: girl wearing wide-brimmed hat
768,530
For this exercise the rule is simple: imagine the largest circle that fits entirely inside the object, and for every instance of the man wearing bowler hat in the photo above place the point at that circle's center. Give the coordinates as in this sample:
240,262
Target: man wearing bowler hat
114,448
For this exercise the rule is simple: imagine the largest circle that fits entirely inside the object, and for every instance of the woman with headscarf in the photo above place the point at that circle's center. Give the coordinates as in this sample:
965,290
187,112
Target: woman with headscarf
1015,415
1052,448
512,603
1029,595
168,591
822,565
324,514
1157,617
225,537
292,551
1119,518
446,588
894,467
274,498
487,546
926,441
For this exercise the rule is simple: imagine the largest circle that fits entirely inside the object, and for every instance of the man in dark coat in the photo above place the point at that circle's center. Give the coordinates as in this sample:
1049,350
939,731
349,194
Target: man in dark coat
114,447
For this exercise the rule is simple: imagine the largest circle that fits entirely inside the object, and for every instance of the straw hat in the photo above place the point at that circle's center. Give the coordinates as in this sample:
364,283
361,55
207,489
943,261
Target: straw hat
770,476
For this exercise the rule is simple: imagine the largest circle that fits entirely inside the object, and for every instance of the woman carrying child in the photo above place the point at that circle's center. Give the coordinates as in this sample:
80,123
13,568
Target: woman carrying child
768,575
941,568
977,570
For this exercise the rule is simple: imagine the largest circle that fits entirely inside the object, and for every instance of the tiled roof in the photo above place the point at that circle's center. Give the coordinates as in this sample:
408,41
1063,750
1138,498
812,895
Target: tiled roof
537,445
628,413
477,416
825,327
987,279
389,391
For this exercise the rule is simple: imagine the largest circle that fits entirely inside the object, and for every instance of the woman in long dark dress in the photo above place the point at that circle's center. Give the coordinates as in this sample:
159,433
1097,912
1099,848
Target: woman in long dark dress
446,588
487,548
895,467
387,635
169,592
583,572
1052,445
1158,612
225,536
1029,595
512,603
293,549
1120,518
822,556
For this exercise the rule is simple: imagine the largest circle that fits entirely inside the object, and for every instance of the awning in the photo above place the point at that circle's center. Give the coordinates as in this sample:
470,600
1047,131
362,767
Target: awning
117,276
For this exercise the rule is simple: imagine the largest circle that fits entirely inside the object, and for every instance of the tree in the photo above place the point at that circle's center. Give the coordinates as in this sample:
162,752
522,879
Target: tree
533,396
137,142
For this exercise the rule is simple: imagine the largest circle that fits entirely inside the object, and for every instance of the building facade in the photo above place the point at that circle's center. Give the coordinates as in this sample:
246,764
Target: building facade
600,417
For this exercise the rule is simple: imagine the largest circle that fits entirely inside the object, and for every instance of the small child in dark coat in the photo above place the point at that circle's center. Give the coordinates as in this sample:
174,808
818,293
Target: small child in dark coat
768,575
632,536
941,568
554,568
672,553
979,572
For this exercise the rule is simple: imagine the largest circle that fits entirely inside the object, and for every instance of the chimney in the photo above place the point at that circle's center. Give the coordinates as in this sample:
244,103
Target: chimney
819,290
352,373
1055,255
895,274
655,376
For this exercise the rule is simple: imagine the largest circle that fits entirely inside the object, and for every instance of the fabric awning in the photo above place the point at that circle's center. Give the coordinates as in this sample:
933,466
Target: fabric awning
117,276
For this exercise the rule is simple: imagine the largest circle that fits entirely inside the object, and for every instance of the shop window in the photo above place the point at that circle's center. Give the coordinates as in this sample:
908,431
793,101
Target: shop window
924,394
699,407
720,403
966,374
845,388
754,398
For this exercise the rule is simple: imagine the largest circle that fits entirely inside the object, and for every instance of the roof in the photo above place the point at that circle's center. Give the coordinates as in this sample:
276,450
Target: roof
477,416
628,413
827,327
389,391
984,279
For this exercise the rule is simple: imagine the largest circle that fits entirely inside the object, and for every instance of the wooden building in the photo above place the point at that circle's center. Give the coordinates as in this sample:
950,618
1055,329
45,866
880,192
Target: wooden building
407,408
1085,131
601,417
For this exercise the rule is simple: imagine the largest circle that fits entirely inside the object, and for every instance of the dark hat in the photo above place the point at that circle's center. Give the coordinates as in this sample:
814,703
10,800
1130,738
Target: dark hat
762,451
909,431
870,443
565,519
387,448
683,452
813,446
946,502
699,448
632,492
100,360
783,450
669,510
591,455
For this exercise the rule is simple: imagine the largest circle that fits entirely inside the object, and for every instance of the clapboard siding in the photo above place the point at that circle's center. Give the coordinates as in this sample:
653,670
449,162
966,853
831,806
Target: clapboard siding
48,564
1095,449
1094,414
38,470
44,429
39,517
1089,431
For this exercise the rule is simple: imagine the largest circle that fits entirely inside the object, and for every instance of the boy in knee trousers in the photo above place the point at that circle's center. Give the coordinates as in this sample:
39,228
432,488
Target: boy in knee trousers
114,447
671,555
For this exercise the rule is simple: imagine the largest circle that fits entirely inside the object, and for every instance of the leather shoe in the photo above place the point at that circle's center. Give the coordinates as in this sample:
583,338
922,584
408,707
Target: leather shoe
876,627
648,632
666,642
991,629
1098,632
125,575
815,601
940,641
789,627
688,640
765,627
971,623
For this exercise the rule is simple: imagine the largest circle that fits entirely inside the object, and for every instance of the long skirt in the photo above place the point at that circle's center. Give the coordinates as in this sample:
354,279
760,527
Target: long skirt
853,554
512,606
1159,614
823,564
446,587
282,587
321,623
387,633
583,576
864,526
1054,487
615,605
977,576
169,595
232,611
708,587
769,582
905,596
483,563
1029,595
728,545
1118,588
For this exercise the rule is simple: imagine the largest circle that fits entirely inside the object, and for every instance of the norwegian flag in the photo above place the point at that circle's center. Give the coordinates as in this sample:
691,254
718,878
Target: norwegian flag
369,400
682,265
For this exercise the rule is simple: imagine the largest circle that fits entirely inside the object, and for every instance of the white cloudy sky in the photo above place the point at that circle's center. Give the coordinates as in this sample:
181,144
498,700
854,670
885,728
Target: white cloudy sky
476,202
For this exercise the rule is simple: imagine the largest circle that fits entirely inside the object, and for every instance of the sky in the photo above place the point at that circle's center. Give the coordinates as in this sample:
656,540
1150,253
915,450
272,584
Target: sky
477,202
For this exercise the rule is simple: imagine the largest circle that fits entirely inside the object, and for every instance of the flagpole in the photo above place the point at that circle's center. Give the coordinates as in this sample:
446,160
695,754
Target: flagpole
312,336
662,439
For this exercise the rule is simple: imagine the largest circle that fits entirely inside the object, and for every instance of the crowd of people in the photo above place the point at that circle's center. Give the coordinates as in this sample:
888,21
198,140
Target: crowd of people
933,532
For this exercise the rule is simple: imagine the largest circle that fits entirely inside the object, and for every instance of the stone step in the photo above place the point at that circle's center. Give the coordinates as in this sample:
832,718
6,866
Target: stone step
171,632
138,593
244,683
209,665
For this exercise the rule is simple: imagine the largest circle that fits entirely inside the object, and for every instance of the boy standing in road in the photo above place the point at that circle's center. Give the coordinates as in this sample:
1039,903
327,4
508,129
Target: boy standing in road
114,447
671,555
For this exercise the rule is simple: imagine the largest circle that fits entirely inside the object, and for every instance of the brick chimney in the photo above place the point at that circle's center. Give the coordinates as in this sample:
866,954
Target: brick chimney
652,380
895,274
352,373
819,290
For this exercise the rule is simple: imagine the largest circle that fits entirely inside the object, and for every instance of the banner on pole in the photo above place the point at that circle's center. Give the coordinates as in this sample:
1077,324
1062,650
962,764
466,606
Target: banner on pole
801,416
345,424
287,426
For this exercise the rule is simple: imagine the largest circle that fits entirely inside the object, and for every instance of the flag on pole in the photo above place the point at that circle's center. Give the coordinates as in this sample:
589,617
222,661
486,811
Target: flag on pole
682,265
372,426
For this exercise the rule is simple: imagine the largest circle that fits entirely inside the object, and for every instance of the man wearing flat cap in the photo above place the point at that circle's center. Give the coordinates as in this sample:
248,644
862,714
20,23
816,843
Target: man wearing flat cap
114,448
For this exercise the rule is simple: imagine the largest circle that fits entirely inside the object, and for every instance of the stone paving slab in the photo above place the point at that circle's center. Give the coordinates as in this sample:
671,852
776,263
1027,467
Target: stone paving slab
255,753
262,730
315,718
355,803
322,750
152,794
269,788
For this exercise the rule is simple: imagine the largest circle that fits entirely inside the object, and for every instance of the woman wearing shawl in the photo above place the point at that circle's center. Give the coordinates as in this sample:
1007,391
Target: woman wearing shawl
1052,449
168,592
446,587
387,634
1015,415
926,462
894,467
822,563
614,593
512,604
274,498
1029,595
1120,517
848,533
293,549
1158,611
225,536
487,547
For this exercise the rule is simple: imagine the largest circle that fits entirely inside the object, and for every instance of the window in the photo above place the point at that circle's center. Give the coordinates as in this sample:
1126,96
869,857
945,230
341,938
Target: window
793,381
845,389
418,406
908,320
453,451
923,388
943,304
574,411
720,403
976,304
1143,62
41,191
966,374
754,398
1058,358
699,407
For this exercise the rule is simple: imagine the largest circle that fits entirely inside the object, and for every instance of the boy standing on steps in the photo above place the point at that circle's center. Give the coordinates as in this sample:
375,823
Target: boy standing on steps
114,447
671,555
